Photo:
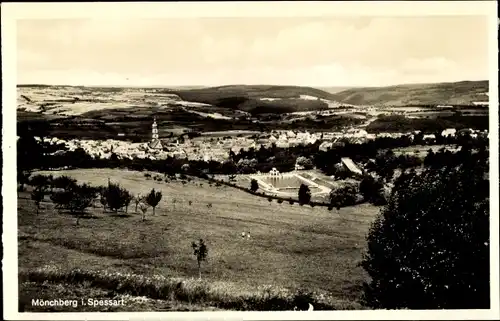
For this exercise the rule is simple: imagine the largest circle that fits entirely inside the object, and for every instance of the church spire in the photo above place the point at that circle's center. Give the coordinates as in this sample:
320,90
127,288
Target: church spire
154,130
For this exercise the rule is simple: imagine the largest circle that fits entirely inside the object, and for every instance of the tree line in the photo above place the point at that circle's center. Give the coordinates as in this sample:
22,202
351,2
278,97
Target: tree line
67,194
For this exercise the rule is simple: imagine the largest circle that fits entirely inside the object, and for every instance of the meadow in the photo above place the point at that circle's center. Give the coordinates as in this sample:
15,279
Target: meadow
291,247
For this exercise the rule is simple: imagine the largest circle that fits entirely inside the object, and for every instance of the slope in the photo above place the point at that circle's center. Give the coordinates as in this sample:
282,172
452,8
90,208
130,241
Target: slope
464,92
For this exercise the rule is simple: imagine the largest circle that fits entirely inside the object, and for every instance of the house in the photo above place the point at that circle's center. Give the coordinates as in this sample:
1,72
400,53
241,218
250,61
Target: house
156,144
350,165
449,132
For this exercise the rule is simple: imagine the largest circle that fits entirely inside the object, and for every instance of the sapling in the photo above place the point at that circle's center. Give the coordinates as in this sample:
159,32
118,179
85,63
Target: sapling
200,250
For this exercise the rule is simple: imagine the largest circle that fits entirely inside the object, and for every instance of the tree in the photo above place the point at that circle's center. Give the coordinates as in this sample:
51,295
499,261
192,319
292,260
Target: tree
64,182
304,194
304,162
37,196
343,196
200,250
144,208
138,199
115,196
372,190
128,198
429,246
153,199
40,182
254,185
82,197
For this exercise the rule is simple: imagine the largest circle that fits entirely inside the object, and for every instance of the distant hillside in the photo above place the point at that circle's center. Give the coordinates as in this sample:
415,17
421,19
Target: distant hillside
463,92
336,89
258,98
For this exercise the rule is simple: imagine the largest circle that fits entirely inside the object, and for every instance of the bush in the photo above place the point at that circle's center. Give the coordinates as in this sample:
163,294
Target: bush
429,247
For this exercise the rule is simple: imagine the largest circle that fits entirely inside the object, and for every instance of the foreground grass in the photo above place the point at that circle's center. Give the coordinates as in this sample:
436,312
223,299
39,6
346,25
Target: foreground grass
291,247
222,295
82,291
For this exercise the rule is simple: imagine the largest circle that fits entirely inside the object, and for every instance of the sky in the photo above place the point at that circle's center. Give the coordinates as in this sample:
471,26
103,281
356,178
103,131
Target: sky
308,51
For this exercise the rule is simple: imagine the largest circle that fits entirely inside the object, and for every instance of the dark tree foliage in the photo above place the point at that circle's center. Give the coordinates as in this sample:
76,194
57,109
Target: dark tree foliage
200,250
153,198
37,196
254,185
429,247
63,182
343,196
304,194
116,197
40,182
372,190
75,198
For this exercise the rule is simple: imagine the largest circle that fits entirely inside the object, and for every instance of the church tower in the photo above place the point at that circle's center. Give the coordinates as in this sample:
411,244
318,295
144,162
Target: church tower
155,130
155,141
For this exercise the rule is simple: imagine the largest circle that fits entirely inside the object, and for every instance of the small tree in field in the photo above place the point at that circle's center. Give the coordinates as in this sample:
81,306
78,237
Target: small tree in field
138,199
116,197
254,185
40,182
63,182
82,198
37,196
128,199
153,199
304,194
200,250
144,208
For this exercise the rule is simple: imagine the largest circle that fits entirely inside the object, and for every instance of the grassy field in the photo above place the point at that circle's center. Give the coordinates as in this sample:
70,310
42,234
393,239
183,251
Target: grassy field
291,247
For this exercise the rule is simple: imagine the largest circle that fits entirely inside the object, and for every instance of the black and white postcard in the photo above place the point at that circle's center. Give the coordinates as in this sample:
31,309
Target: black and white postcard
250,160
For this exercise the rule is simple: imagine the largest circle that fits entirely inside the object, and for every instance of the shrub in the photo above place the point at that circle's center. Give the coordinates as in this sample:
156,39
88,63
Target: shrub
280,201
270,199
429,246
